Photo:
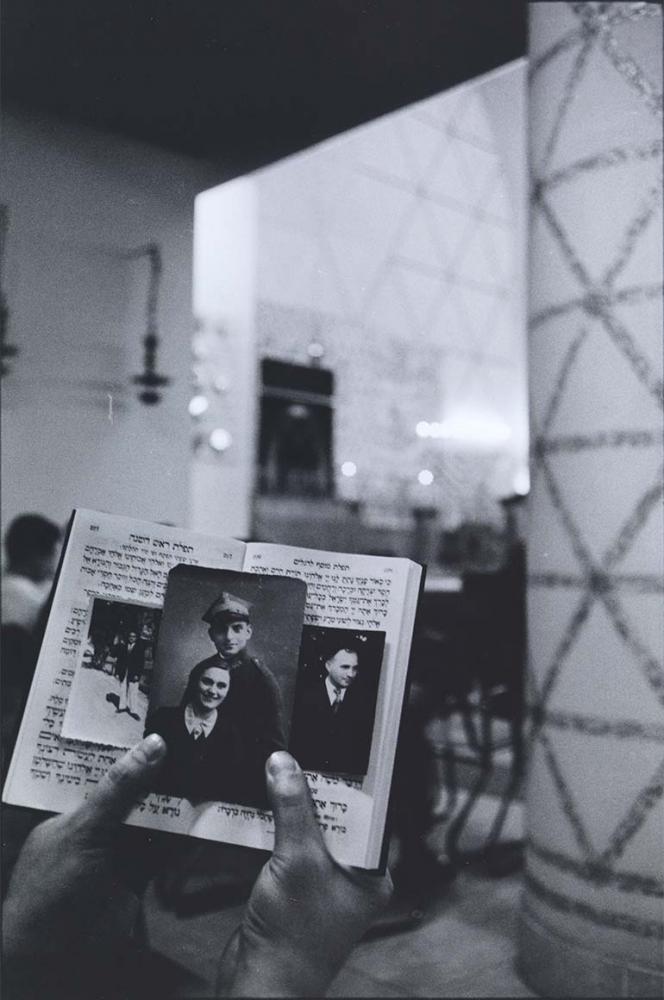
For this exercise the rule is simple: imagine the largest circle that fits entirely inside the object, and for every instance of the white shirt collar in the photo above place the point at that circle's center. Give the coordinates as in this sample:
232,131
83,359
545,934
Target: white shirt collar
193,722
334,693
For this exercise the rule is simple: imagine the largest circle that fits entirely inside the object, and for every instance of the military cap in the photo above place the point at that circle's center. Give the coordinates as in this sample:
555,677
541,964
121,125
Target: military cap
229,608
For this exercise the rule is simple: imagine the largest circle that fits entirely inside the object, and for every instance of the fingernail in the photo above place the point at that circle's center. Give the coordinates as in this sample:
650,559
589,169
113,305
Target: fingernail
153,746
281,763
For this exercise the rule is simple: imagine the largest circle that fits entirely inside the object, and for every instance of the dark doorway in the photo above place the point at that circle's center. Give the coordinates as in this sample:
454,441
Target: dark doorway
295,445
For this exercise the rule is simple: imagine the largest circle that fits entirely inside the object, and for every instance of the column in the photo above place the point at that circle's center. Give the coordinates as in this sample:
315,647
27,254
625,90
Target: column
222,474
592,913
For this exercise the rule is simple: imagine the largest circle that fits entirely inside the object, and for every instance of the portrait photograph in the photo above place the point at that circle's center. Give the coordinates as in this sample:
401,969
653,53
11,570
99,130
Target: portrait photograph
109,697
224,681
335,699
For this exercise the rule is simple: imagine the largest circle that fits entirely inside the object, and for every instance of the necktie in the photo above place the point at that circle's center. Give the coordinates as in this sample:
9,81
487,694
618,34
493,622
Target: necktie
198,732
337,702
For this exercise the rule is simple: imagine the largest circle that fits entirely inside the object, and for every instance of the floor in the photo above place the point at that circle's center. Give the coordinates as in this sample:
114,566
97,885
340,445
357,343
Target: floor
464,947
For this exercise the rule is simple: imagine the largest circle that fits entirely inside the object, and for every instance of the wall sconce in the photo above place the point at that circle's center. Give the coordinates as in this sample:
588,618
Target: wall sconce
149,379
6,350
220,439
315,351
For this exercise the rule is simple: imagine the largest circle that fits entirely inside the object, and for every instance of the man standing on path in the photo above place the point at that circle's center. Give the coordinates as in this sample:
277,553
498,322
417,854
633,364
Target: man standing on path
130,662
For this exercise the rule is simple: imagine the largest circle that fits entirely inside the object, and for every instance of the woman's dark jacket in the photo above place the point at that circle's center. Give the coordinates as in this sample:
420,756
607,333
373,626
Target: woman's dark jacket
216,768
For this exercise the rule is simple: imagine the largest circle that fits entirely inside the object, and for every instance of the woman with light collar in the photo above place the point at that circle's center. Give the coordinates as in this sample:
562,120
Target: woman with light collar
205,759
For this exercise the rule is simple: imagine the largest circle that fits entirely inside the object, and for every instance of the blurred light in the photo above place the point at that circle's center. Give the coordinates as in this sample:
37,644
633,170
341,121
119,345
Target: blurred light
425,477
315,350
348,468
198,405
220,383
473,430
220,439
297,411
468,429
522,481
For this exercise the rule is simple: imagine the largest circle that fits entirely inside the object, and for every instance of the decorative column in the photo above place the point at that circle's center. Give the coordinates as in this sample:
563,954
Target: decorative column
593,905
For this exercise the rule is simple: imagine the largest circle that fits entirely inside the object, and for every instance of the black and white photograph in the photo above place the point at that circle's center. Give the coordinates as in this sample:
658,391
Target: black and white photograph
224,681
368,293
109,698
335,699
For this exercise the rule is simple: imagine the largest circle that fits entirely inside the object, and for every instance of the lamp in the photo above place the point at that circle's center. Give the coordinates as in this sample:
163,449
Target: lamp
6,350
149,379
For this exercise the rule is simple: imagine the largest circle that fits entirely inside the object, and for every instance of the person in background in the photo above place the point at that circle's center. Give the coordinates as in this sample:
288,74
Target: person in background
32,547
68,913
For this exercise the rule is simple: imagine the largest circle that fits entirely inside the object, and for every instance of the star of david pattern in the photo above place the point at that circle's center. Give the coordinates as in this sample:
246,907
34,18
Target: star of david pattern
394,247
595,580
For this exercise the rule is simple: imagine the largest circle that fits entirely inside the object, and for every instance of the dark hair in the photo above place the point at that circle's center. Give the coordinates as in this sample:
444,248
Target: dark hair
341,647
193,679
30,535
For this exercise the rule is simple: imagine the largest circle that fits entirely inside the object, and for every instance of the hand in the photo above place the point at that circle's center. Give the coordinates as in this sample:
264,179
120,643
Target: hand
66,901
306,911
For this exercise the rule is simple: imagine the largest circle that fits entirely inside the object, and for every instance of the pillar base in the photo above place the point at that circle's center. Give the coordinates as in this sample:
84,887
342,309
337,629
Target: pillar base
553,966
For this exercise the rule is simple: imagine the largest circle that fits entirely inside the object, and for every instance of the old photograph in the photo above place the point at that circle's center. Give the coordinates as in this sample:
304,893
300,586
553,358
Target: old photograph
356,309
335,700
109,698
224,681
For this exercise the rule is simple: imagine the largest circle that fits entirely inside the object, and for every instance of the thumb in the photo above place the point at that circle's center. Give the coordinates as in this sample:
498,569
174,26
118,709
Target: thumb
295,824
123,784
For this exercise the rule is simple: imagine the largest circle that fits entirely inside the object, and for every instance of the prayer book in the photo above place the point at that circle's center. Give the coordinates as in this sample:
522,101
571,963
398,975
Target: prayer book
229,650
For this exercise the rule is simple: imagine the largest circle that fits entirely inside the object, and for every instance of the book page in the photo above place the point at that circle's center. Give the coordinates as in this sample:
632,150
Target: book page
121,561
118,560
364,594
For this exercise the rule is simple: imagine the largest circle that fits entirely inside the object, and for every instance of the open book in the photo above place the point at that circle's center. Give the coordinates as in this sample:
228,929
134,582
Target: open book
237,645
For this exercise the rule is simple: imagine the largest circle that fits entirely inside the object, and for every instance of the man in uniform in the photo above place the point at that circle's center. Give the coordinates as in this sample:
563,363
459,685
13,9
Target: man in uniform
254,698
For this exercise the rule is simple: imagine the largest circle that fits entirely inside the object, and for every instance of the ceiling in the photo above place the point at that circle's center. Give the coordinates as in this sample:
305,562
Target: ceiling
245,82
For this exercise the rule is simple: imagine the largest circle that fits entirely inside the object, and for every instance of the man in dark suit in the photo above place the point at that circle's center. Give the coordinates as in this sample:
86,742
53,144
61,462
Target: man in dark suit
333,717
129,665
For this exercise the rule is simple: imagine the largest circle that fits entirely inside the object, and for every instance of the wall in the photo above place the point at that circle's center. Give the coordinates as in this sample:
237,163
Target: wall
398,247
74,432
